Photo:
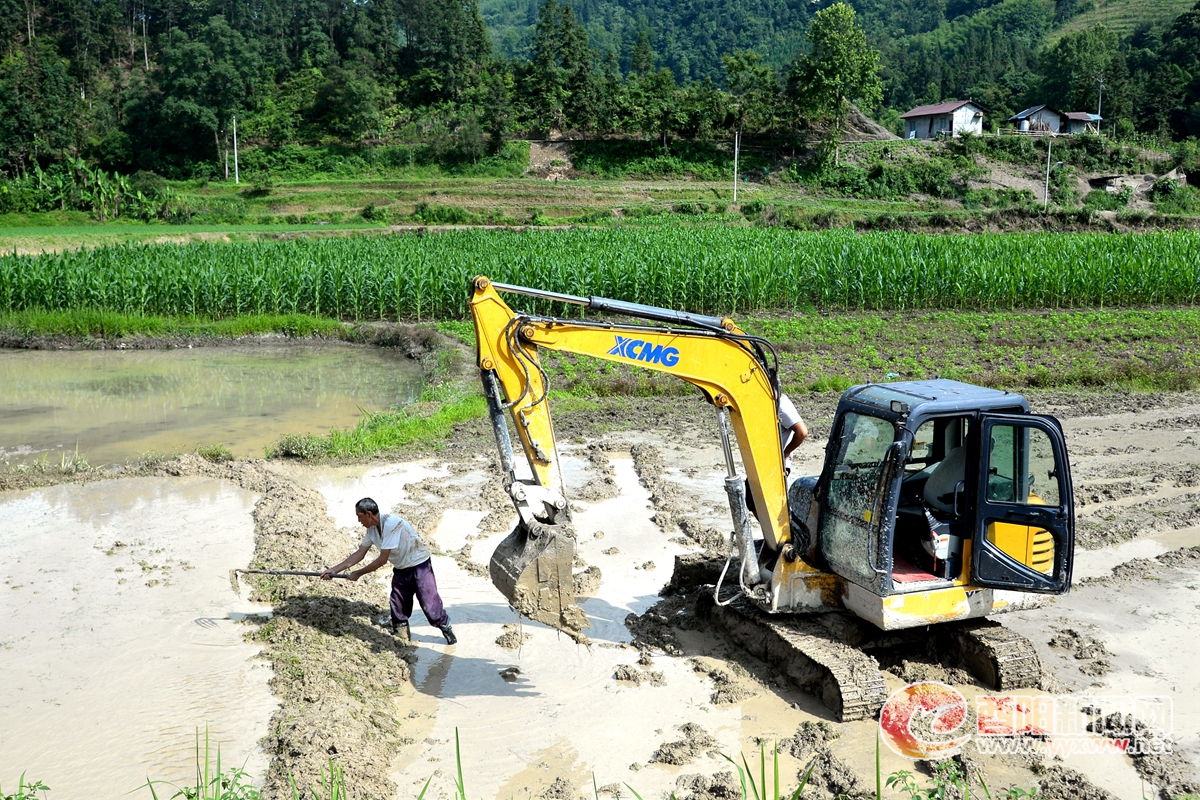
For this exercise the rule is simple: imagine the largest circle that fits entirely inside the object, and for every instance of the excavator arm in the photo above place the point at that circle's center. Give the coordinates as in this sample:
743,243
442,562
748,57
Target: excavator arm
532,566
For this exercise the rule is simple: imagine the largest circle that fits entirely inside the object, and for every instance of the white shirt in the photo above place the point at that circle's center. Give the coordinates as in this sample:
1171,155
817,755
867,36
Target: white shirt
399,537
788,416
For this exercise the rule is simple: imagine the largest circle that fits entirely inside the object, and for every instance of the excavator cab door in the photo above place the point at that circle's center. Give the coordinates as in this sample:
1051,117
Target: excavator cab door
1025,511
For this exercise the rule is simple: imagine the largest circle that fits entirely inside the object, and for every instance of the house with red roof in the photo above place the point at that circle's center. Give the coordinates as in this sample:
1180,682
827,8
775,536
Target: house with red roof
951,118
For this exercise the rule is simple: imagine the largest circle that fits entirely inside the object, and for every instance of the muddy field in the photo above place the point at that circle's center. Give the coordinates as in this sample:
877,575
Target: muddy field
658,697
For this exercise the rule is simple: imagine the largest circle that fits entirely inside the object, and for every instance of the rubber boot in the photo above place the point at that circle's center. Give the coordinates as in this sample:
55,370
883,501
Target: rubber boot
448,632
400,631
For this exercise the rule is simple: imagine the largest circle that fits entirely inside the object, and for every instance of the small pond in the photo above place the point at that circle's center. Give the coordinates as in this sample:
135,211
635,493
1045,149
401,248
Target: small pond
118,404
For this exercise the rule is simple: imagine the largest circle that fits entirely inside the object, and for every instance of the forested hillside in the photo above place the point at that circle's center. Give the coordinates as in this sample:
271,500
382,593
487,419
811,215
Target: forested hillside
165,85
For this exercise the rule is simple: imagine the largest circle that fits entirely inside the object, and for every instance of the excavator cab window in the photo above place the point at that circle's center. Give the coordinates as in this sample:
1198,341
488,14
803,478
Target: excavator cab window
858,489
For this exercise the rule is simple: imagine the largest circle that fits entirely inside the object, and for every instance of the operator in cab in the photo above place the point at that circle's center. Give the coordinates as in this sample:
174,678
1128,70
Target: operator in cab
792,430
792,433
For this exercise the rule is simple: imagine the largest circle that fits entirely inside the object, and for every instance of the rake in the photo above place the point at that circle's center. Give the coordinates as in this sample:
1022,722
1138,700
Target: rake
237,589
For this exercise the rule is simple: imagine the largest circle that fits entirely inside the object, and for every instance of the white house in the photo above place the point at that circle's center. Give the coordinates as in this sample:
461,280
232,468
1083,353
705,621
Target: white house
951,118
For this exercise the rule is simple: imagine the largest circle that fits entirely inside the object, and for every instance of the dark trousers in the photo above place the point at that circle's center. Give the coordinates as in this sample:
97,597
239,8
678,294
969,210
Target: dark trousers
417,581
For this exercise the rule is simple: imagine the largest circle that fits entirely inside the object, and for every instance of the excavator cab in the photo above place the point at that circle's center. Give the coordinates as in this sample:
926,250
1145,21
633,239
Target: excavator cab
943,490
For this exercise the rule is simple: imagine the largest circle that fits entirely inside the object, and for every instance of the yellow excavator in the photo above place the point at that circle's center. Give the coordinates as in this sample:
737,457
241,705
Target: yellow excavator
939,503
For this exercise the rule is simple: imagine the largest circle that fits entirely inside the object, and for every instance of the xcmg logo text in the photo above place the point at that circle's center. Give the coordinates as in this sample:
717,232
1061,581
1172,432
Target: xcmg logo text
639,350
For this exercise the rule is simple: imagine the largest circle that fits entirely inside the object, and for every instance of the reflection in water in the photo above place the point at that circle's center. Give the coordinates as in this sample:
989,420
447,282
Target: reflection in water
115,404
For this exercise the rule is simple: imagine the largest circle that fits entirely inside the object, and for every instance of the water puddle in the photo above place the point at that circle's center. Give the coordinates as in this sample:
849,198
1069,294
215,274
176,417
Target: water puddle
116,636
117,404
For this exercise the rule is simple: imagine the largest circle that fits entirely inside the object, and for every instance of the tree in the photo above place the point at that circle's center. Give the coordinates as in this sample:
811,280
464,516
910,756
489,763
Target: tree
563,85
642,60
753,89
841,67
205,83
445,42
1076,67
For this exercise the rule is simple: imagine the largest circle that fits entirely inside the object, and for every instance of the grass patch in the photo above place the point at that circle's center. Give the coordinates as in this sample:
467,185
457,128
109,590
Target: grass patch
100,324
427,422
1137,349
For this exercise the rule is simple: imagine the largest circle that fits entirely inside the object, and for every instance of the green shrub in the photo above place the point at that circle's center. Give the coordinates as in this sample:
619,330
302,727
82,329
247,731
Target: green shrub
1103,200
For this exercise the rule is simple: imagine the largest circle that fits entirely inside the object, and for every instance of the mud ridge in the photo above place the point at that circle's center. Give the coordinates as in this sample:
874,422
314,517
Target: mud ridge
602,479
670,502
335,671
1136,570
1153,752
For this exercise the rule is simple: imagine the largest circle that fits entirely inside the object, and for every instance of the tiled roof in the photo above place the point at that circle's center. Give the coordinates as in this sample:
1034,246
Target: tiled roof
938,108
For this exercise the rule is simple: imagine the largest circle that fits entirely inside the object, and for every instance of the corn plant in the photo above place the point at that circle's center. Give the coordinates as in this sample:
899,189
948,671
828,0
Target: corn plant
710,270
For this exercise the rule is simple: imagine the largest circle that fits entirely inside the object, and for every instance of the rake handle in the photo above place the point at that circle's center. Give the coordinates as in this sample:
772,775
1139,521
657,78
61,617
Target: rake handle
288,572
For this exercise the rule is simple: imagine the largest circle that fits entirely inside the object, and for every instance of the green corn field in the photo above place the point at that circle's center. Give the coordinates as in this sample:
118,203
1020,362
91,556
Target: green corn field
713,270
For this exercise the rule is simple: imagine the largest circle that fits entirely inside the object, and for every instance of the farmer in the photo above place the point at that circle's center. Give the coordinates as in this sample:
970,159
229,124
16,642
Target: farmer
412,569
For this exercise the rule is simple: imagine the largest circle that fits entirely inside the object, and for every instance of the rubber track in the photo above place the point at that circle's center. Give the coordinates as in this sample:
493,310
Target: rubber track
845,679
998,656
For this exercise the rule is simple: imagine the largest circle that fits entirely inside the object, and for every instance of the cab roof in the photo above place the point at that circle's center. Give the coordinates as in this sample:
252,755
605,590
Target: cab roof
940,396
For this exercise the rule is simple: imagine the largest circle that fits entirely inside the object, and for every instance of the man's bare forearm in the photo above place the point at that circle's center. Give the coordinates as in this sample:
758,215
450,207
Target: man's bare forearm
374,565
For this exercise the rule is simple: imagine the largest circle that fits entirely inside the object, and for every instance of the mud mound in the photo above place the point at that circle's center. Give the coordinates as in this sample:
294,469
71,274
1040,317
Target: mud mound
830,775
695,743
587,582
1154,754
657,628
602,480
810,737
513,637
918,671
631,674
722,786
561,789
1084,648
833,777
1061,783
727,689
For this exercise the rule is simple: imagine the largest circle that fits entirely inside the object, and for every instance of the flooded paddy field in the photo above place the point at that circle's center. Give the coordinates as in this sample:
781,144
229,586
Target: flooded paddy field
112,405
655,699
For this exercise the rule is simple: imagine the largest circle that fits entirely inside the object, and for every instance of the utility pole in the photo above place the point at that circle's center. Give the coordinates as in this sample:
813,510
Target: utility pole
235,153
1046,196
737,144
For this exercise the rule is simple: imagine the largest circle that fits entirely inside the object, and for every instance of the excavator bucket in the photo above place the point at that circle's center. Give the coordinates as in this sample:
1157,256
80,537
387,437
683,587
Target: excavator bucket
532,569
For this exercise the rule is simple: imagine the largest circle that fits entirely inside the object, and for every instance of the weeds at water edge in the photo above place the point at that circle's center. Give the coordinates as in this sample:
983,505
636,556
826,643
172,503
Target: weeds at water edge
212,783
25,791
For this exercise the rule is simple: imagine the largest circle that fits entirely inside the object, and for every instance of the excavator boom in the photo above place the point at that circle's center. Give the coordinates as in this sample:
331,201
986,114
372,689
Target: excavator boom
532,566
